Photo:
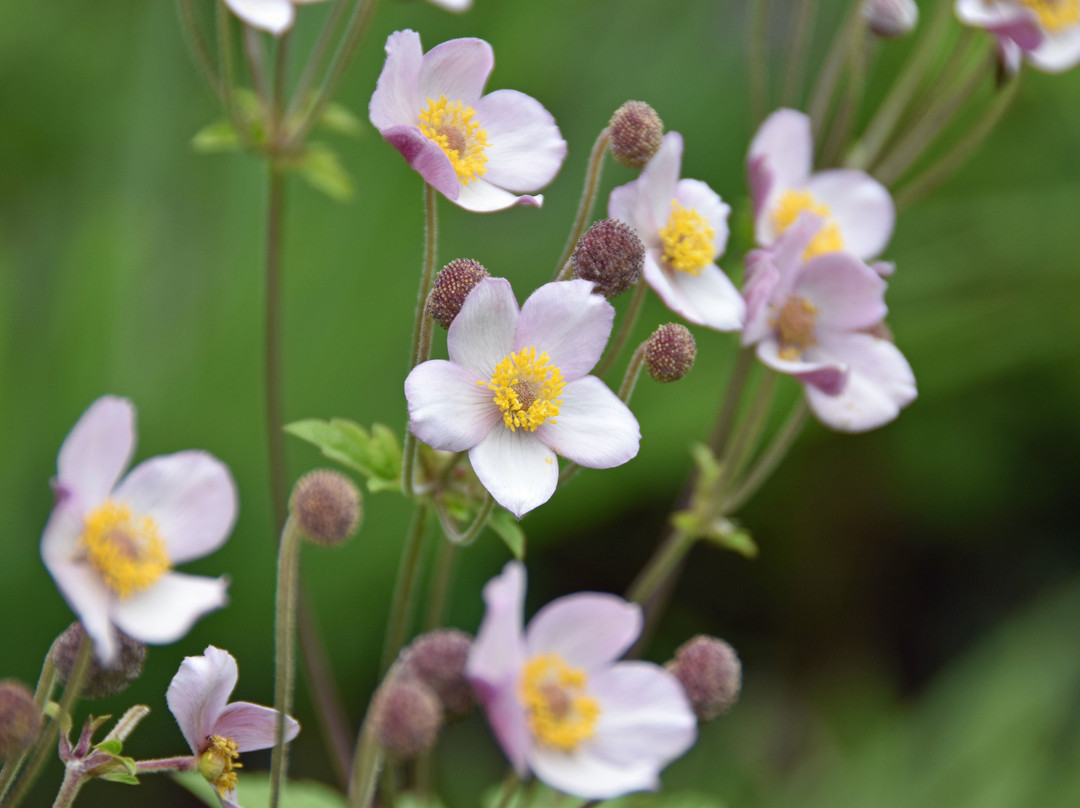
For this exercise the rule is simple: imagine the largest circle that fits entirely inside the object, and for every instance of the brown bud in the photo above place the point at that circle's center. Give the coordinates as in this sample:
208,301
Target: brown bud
20,720
451,286
327,505
438,660
101,680
611,255
636,132
710,673
670,352
407,716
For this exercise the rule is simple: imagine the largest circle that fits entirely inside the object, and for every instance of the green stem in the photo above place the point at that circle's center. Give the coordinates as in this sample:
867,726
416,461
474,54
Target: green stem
325,692
441,582
825,89
801,34
317,56
367,763
842,124
256,66
742,447
725,420
758,27
768,461
585,205
199,51
184,763
633,371
69,788
42,695
225,59
405,588
288,584
627,326
663,562
456,536
274,419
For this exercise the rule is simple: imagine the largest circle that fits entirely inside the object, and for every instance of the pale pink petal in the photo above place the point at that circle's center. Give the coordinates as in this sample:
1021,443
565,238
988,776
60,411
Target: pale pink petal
696,195
190,495
59,540
861,207
525,148
273,16
458,69
760,178
880,383
448,410
569,323
762,279
989,14
480,196
1059,51
517,469
847,294
588,630
482,334
593,428
252,726
166,611
456,6
87,595
826,373
645,203
228,799
426,157
782,149
199,692
96,451
396,100
709,298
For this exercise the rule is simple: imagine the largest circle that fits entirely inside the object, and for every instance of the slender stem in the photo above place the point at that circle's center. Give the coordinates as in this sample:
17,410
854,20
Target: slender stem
663,562
288,584
725,420
277,109
769,460
367,763
441,581
825,89
184,763
274,420
633,371
623,334
325,692
742,447
199,50
42,694
842,124
585,205
801,31
225,60
421,345
405,588
510,784
69,788
456,536
758,32
317,56
256,64
127,723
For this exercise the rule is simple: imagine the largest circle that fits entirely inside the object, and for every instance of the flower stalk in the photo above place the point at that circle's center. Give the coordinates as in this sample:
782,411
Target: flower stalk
588,198
288,585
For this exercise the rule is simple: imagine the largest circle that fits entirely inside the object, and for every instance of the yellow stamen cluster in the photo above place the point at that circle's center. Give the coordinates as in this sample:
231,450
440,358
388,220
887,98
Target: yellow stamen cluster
127,550
689,241
788,208
218,761
451,125
1055,15
560,712
795,321
526,389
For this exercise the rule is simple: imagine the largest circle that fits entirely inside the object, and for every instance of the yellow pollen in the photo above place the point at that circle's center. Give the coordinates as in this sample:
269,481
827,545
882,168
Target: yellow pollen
689,241
561,714
1055,15
451,125
526,389
795,322
788,208
218,761
127,550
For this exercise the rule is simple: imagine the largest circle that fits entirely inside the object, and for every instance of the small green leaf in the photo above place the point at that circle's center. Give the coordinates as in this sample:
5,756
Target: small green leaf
322,169
730,535
216,138
113,747
121,777
376,455
509,530
340,119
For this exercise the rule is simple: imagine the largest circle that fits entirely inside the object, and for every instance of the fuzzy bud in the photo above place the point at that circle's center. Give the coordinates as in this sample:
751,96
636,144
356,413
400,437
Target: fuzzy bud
327,505
611,255
20,720
451,286
438,660
891,18
636,132
407,717
670,352
101,680
710,673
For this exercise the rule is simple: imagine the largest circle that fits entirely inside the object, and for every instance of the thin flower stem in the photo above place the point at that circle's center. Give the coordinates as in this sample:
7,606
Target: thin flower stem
801,34
325,692
317,57
840,131
742,447
256,64
664,561
42,695
288,584
769,460
821,100
456,536
69,788
225,60
442,580
588,199
758,31
366,766
185,763
627,326
127,723
199,51
405,588
274,213
510,785
725,419
633,371
277,110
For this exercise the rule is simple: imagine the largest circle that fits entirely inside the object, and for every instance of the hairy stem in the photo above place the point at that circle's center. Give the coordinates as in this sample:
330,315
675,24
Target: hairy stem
585,205
288,584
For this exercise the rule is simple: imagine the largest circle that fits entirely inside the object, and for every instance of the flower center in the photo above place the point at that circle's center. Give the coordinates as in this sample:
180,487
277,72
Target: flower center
526,389
689,242
451,125
561,714
795,322
788,208
127,550
218,761
1055,15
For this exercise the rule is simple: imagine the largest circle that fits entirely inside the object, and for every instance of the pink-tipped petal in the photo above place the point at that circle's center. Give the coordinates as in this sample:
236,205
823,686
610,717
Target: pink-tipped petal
861,207
190,495
199,692
96,451
569,323
593,428
696,195
166,611
89,598
252,726
448,410
517,469
762,279
480,196
482,334
458,69
396,100
273,16
588,630
827,374
427,158
525,148
761,179
847,294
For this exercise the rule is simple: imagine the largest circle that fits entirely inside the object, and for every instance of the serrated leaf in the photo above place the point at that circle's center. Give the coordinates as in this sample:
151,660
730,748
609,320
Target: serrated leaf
323,171
113,747
216,138
253,791
509,530
339,118
376,455
121,777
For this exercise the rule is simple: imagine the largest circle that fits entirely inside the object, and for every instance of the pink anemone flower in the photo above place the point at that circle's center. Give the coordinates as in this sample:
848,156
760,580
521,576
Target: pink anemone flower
216,731
857,210
516,391
1045,32
559,703
479,151
684,227
818,320
110,544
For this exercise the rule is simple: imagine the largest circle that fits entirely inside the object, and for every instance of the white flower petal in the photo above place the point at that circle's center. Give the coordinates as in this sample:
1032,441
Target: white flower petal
252,726
517,469
199,692
166,611
59,540
89,598
456,6
588,630
569,323
458,69
783,151
696,195
709,299
190,495
482,334
525,148
593,428
480,196
96,451
274,16
861,207
588,776
396,100
448,410
1059,50
645,203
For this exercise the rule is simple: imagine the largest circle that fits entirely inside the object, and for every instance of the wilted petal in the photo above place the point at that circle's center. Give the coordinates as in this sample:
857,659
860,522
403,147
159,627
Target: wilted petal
594,428
517,469
448,410
861,207
458,69
96,451
199,692
588,630
252,726
525,148
482,334
568,323
273,16
166,611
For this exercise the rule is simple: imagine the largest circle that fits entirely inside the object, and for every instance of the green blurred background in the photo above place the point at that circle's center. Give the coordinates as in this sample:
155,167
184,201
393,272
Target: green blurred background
910,630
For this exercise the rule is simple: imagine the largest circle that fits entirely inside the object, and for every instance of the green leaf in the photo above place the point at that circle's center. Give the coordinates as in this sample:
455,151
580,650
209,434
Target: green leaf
339,118
410,799
509,530
253,791
113,747
216,138
322,169
121,777
730,535
376,455
675,799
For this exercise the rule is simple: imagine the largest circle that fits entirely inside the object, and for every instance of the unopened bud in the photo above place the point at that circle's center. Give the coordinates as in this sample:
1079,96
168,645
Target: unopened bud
100,680
710,673
327,506
407,716
891,18
611,255
636,132
20,720
670,352
438,660
451,286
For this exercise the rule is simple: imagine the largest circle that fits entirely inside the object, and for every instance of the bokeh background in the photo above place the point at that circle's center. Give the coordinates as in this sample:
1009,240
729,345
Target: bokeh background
910,629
